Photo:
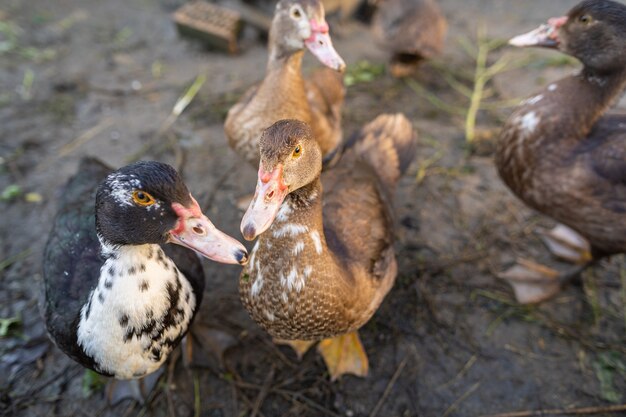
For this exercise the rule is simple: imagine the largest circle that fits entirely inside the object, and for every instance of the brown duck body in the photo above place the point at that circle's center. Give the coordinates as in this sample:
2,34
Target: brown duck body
562,157
325,264
285,94
412,30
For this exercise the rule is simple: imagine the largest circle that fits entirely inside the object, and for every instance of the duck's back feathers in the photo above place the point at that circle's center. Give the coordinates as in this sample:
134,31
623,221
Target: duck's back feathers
388,145
410,27
72,258
609,158
358,211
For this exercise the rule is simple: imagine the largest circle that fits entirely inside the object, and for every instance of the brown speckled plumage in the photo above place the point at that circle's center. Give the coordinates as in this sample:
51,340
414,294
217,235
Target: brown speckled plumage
285,94
558,152
327,261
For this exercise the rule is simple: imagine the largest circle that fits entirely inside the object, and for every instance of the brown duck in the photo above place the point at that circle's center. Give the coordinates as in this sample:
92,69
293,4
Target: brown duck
324,261
562,155
284,93
412,30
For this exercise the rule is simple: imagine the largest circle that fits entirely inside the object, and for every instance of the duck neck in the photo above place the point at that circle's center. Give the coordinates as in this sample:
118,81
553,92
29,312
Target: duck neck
298,225
282,62
598,91
563,112
304,206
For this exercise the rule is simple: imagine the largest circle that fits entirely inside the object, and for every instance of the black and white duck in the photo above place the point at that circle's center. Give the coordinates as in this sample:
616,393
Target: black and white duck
117,299
561,152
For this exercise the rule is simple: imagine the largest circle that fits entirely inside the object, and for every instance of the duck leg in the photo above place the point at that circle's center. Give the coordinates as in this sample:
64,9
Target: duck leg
300,346
567,244
202,339
344,354
533,283
135,389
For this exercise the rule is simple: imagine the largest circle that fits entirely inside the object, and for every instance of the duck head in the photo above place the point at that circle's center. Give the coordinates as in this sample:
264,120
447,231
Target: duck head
147,202
290,159
594,32
301,23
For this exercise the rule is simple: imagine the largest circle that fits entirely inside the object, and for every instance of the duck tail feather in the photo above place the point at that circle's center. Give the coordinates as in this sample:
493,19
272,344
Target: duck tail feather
388,144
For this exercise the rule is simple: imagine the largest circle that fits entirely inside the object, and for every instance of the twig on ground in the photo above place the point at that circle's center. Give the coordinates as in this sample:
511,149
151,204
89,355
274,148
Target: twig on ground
177,110
263,392
171,366
471,361
196,395
459,400
75,143
15,258
563,411
390,385
84,138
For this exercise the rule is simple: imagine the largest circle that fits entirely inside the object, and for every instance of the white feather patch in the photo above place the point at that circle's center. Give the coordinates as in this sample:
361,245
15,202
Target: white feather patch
290,229
534,100
258,282
125,301
284,212
122,186
298,248
291,278
315,237
529,122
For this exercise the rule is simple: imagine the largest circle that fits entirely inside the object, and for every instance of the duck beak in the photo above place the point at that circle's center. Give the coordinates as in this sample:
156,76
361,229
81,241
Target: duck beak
268,197
195,231
320,45
546,35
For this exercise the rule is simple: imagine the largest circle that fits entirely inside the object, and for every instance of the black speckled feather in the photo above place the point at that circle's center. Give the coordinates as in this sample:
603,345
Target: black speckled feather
72,260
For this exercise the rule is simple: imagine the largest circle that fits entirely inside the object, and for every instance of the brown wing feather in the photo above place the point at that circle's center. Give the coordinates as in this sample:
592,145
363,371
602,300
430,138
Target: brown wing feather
357,216
414,27
357,192
608,160
326,93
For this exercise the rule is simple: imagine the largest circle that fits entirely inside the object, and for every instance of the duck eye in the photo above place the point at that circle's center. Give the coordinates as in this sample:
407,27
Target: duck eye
296,13
142,198
585,19
297,151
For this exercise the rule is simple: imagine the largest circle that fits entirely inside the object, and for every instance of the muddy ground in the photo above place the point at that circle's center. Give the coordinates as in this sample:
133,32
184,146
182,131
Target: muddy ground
101,77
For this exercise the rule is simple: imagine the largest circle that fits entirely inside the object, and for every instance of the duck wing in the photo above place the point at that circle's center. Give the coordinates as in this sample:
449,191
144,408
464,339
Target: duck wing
608,160
325,93
358,221
72,259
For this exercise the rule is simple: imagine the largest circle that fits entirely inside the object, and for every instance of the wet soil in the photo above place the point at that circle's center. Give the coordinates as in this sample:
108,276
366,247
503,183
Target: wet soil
100,78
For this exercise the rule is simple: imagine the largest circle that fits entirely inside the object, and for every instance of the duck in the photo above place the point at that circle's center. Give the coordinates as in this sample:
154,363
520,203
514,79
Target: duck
411,30
284,93
324,258
118,298
563,152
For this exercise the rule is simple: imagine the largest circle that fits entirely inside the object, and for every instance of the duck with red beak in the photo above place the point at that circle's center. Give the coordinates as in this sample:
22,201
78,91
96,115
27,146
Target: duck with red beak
119,299
298,25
